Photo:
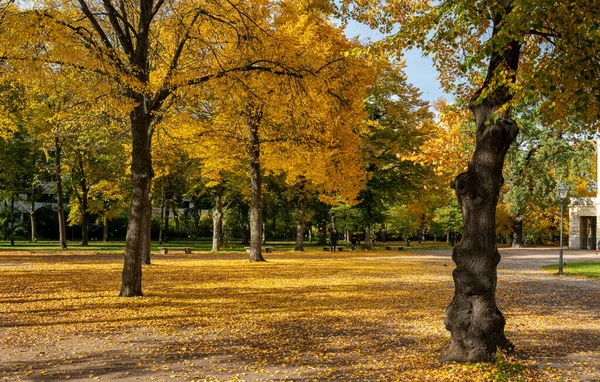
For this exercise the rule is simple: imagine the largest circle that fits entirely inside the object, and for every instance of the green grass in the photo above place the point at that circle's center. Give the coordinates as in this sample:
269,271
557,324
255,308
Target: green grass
117,247
589,269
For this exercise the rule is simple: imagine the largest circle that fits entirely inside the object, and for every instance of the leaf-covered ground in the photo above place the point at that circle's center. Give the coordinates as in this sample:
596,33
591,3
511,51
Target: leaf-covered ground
314,316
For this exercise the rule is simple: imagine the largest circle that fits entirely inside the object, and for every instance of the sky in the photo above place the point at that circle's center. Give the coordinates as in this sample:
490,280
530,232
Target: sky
419,69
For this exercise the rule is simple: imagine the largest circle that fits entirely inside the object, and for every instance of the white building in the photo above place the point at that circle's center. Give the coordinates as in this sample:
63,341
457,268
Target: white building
583,216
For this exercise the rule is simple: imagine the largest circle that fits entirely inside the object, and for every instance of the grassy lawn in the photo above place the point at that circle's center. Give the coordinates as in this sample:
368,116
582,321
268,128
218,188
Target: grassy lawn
117,247
588,269
299,316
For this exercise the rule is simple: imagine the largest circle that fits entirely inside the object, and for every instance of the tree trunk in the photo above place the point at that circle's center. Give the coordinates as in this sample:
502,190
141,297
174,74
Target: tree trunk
218,219
253,118
83,199
517,232
5,224
300,217
105,229
138,226
368,237
176,220
32,217
166,227
161,232
62,227
299,236
322,233
84,213
473,318
147,244
12,218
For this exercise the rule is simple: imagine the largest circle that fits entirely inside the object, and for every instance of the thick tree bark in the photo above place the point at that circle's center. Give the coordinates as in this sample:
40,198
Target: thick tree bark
253,118
473,318
62,226
517,241
218,219
138,227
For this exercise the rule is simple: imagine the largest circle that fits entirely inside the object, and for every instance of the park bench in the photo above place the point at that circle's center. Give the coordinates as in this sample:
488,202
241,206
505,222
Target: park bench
165,250
392,248
330,248
265,249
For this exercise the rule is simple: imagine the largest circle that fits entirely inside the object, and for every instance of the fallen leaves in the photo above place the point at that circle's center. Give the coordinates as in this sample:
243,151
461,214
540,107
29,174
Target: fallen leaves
311,316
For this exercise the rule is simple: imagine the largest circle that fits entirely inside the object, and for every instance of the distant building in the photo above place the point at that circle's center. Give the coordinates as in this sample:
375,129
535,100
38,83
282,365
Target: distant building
583,216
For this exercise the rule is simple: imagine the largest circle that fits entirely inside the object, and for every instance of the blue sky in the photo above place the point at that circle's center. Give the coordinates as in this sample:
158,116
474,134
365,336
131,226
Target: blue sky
419,69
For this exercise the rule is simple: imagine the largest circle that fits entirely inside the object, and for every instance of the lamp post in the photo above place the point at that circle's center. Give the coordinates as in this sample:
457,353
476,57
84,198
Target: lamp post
562,194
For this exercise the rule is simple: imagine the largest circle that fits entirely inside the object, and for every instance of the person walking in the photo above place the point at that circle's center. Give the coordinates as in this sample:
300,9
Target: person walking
354,240
597,247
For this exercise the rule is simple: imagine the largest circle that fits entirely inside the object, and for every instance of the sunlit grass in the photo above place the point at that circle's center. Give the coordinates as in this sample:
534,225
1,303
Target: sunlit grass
589,269
314,315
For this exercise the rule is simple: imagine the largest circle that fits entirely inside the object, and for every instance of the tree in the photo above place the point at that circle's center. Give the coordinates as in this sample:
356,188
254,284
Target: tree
494,54
303,126
153,51
541,154
400,121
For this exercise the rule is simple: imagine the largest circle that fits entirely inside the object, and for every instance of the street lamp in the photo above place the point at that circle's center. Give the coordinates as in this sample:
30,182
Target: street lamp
562,194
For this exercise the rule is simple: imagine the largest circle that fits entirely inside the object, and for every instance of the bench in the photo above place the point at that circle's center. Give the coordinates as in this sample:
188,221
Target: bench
165,250
390,248
265,249
330,248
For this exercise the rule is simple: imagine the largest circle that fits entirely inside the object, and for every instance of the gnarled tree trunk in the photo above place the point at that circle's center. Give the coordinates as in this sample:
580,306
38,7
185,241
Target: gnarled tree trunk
473,318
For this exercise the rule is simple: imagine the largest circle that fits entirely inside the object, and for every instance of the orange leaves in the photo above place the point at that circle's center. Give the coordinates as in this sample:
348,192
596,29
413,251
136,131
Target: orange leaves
450,145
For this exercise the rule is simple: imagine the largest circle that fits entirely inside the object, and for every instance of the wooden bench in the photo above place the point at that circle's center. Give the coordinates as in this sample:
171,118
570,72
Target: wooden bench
392,248
165,250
